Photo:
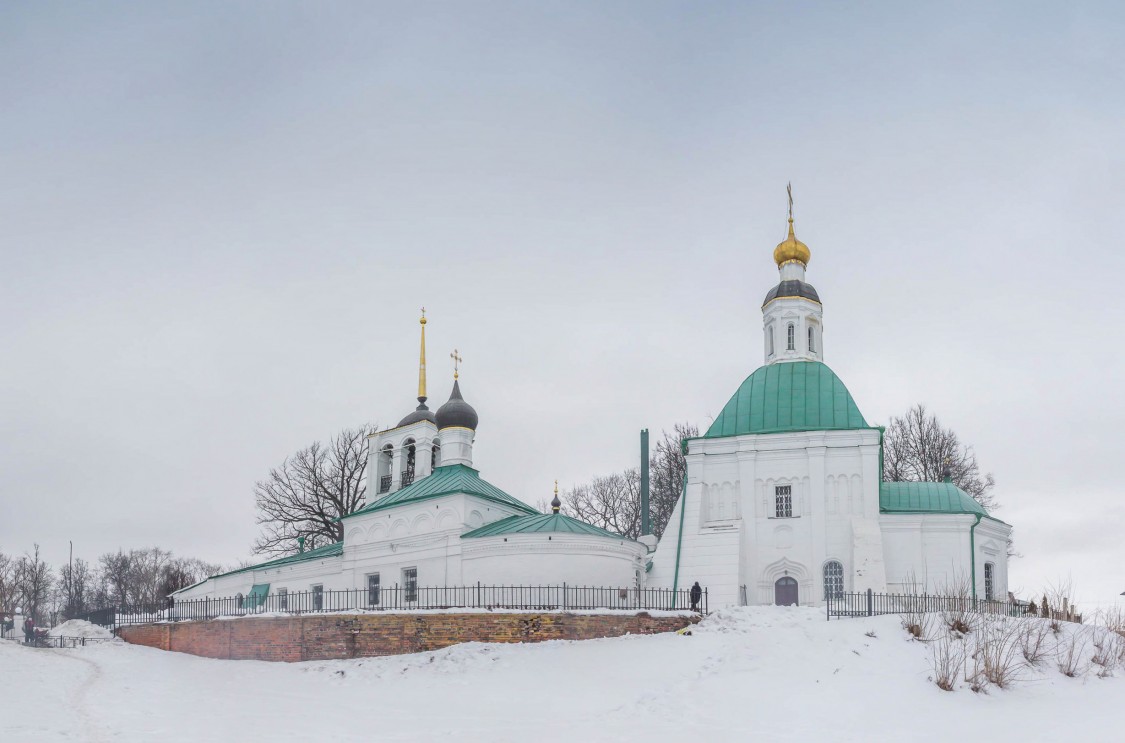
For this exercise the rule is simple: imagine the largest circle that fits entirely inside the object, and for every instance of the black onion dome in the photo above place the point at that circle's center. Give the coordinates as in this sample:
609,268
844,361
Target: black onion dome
456,413
421,413
792,288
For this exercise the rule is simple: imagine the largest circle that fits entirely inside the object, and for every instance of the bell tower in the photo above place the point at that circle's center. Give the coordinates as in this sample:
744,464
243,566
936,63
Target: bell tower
792,316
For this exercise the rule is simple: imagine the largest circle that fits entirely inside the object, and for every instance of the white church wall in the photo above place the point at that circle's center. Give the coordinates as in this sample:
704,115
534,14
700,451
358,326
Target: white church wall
296,577
833,476
932,553
552,559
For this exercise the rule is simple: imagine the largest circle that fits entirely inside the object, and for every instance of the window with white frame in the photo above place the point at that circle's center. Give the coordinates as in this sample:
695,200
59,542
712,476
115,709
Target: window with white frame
791,338
771,340
410,584
812,342
318,597
783,501
989,582
283,599
373,589
833,579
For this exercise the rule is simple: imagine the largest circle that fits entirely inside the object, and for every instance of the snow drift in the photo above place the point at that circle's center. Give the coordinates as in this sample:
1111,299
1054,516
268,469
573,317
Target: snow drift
771,673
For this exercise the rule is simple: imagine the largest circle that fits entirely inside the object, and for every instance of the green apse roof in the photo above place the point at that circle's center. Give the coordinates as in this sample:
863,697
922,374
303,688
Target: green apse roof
448,480
537,524
788,396
329,550
926,497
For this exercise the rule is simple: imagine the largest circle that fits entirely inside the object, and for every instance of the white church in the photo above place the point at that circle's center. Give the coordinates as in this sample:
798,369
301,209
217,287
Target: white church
784,502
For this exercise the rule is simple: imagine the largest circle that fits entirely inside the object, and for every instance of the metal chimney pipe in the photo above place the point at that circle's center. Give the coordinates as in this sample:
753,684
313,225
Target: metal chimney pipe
646,526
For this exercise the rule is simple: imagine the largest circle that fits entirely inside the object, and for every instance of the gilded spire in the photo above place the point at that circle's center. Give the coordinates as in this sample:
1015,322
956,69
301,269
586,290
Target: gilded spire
422,361
556,504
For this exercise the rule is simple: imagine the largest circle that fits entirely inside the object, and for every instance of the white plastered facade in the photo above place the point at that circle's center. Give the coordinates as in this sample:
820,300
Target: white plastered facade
726,531
426,536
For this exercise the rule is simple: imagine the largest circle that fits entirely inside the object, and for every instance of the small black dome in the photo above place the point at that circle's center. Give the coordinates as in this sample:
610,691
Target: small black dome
792,288
421,413
456,413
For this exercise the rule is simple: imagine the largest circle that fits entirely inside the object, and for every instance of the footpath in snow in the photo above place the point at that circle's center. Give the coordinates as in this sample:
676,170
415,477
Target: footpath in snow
767,674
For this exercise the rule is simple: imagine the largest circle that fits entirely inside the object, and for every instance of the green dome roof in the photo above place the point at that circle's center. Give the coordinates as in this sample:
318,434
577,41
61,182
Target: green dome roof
788,396
537,524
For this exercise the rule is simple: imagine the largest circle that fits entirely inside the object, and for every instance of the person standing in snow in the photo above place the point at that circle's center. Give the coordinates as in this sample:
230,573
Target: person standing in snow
28,631
696,594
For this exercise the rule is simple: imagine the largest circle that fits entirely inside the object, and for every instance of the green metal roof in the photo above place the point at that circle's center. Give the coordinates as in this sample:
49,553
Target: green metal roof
926,497
788,396
448,480
539,523
329,550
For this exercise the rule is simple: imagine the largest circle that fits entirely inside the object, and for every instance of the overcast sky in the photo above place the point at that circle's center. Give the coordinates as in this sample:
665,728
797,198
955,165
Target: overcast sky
218,222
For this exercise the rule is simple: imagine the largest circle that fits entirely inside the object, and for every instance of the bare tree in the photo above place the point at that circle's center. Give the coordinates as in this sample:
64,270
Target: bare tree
143,578
916,447
669,468
182,572
7,583
33,579
612,502
146,575
114,578
310,491
75,588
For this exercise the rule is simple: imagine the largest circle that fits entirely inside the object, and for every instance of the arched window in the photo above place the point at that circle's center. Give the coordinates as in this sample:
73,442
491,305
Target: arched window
989,582
771,340
435,455
792,338
386,458
833,579
408,465
812,343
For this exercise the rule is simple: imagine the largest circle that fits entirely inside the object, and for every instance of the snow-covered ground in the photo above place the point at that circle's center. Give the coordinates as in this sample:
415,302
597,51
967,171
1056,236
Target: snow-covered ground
768,674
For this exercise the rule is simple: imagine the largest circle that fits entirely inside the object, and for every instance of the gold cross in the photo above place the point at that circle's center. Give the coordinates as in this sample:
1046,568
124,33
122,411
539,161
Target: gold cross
789,190
456,362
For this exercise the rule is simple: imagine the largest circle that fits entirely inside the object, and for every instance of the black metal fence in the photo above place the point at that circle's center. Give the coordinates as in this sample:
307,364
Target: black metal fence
870,604
522,598
43,640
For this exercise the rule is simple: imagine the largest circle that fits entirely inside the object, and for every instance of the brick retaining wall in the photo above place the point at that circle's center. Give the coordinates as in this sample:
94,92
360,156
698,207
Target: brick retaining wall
326,637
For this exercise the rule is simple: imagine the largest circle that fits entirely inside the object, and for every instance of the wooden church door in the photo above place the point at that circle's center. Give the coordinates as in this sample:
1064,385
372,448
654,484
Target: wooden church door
785,592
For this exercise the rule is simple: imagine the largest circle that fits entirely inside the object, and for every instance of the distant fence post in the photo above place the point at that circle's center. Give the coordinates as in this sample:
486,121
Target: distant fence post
870,603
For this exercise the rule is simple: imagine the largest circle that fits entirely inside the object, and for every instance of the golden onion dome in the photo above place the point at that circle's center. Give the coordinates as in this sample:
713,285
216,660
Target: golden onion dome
791,249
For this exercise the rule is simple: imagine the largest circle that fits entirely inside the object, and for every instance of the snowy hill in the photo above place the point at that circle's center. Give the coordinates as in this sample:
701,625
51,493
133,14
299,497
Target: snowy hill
768,674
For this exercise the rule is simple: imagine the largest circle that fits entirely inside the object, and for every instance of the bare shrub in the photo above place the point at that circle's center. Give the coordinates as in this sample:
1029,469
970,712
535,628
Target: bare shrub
946,657
1071,653
974,671
957,605
999,651
915,620
1113,620
1062,608
1106,651
1033,640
